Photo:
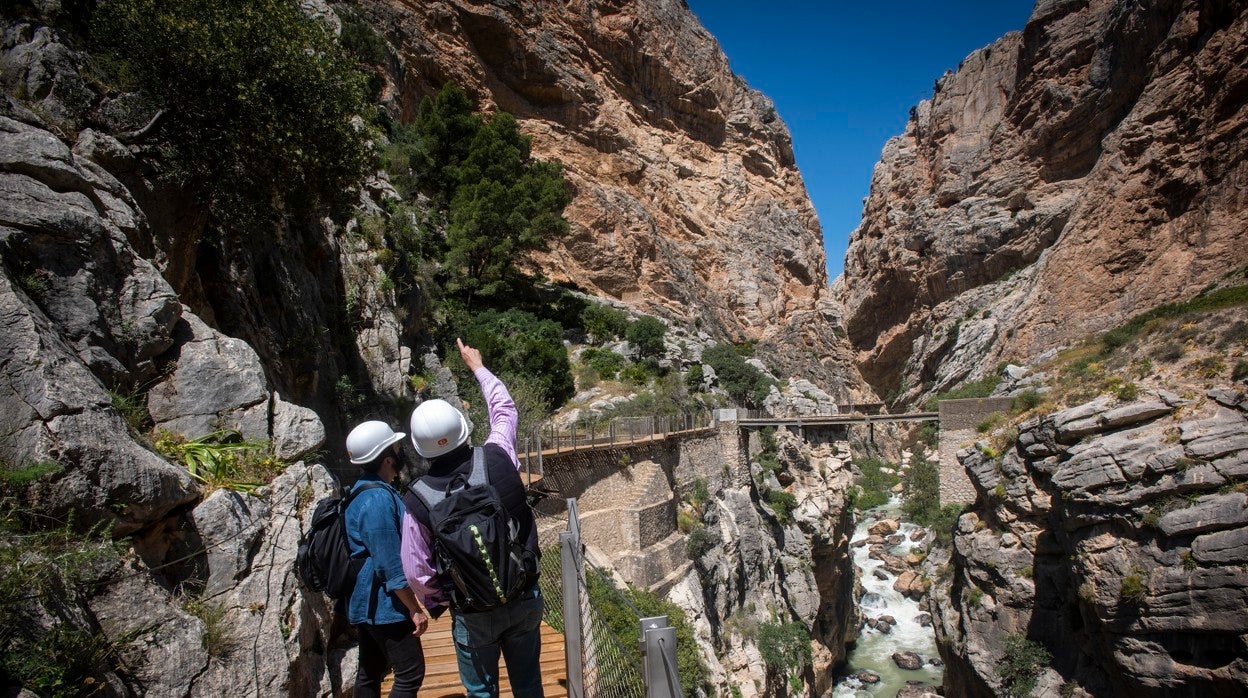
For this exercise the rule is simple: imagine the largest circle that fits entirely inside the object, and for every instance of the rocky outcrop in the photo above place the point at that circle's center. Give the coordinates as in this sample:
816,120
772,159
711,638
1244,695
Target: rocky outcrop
687,199
1060,181
1116,537
758,560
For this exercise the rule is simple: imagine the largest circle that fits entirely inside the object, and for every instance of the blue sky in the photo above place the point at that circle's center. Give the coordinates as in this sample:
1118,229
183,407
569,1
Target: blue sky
844,75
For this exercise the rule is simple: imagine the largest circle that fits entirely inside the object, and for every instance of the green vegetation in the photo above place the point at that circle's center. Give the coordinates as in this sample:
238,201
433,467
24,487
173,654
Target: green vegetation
1029,399
647,335
515,343
874,484
133,407
928,434
698,543
606,363
49,567
623,622
218,640
258,100
1021,666
785,647
1205,302
783,503
495,200
1240,372
604,323
921,499
222,459
1132,588
743,382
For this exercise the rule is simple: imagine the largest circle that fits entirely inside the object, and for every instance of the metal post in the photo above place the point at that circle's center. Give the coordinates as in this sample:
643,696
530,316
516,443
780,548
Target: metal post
570,548
658,651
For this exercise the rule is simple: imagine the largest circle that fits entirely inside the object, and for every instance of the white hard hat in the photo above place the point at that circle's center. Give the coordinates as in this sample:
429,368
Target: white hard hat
438,428
369,439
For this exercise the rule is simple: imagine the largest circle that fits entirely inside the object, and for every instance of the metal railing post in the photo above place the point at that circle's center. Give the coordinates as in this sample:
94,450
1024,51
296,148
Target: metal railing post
658,653
569,553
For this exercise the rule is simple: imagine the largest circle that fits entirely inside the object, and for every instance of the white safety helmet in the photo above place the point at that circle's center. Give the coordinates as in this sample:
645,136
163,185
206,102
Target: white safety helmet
438,428
369,440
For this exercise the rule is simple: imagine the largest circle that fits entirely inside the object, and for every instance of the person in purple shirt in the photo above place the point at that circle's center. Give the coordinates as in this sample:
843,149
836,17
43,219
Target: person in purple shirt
440,433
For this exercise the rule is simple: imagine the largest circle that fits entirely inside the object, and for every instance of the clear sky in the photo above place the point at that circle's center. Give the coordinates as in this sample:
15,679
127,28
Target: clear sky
844,75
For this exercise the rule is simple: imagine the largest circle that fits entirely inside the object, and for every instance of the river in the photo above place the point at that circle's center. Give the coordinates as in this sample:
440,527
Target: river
874,649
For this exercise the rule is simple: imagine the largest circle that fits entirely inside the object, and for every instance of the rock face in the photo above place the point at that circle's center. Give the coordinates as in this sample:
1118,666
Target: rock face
763,567
687,199
1062,180
1116,537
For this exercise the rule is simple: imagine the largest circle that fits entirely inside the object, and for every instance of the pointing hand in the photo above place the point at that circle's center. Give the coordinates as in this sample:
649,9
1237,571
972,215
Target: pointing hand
471,356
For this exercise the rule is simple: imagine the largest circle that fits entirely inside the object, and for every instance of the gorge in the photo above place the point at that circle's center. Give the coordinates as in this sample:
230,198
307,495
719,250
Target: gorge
1060,225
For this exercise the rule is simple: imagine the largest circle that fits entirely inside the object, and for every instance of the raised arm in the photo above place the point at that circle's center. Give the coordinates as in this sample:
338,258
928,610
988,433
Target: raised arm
504,418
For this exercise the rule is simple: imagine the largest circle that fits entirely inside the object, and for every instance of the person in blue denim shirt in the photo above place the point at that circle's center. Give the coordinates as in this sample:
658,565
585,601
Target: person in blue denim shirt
382,606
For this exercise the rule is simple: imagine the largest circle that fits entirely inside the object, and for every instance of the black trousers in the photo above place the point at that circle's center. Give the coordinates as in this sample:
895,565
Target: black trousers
386,647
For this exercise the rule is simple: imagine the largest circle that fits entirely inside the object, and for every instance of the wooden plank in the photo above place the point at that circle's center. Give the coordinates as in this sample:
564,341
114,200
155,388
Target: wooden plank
442,671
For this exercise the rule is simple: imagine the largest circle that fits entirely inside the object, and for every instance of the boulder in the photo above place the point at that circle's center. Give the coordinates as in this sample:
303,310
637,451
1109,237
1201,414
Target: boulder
884,527
907,660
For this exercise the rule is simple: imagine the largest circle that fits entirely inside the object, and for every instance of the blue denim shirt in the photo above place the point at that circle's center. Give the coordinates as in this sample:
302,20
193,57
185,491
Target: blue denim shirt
373,531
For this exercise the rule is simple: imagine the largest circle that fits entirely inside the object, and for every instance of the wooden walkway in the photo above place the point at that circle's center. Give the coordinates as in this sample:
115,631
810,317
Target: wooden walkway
442,673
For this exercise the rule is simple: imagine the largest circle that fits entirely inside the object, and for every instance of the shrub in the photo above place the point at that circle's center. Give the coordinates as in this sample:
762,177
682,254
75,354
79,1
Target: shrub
921,490
694,377
785,647
1240,372
1209,367
605,362
874,483
743,382
516,343
259,99
610,602
603,323
1021,665
929,434
1027,400
698,543
783,503
647,334
975,596
1132,588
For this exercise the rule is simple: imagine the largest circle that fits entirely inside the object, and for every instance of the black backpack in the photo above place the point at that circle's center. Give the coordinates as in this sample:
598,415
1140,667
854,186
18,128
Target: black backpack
476,541
324,561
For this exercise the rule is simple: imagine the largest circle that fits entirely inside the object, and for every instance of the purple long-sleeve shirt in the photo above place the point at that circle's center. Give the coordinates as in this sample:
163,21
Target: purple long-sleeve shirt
415,550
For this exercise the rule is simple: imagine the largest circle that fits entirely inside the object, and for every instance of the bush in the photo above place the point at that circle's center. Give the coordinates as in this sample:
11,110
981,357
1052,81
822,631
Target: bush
605,362
259,99
874,483
1240,372
698,543
1132,588
785,647
1029,399
222,459
647,335
694,377
516,343
743,382
921,491
783,503
603,323
1021,666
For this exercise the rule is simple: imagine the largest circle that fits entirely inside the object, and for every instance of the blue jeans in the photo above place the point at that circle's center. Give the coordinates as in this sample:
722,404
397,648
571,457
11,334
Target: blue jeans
514,629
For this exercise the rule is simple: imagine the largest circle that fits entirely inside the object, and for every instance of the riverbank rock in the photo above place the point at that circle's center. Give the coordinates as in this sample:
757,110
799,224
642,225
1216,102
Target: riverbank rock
907,660
884,527
917,689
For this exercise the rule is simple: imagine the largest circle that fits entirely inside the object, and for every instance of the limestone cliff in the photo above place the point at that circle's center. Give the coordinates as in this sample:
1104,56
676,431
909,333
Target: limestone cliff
687,199
1112,536
1066,177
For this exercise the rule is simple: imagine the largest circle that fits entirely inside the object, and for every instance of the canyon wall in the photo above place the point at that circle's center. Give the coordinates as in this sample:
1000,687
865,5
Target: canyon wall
1060,181
687,199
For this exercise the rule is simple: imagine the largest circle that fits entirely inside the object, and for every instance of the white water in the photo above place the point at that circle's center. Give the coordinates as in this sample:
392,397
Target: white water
874,650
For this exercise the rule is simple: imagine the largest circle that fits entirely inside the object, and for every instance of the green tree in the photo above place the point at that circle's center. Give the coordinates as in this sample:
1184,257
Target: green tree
785,647
259,99
498,202
603,322
746,384
516,343
921,490
647,334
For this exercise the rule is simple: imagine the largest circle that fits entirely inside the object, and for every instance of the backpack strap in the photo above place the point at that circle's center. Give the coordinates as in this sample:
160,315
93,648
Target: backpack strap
430,497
